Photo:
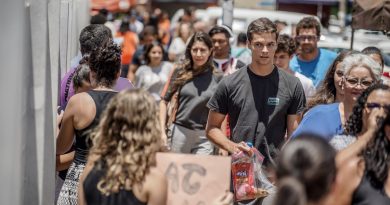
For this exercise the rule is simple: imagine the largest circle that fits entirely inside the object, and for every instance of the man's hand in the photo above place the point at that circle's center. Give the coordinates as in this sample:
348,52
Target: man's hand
242,146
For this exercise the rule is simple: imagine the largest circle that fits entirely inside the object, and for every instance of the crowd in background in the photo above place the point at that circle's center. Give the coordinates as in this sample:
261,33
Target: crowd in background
142,86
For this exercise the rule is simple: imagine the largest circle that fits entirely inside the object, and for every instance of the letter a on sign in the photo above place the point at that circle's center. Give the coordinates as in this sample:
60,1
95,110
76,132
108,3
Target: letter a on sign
194,179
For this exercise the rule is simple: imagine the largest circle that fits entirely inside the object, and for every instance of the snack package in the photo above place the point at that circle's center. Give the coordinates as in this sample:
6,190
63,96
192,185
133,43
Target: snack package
246,172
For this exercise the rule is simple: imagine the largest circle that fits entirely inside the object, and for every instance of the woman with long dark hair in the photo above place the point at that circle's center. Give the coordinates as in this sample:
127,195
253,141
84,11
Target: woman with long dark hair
154,74
364,179
121,165
195,81
82,115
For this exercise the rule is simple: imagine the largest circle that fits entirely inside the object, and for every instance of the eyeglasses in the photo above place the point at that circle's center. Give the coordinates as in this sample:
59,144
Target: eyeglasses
302,38
353,82
260,46
373,105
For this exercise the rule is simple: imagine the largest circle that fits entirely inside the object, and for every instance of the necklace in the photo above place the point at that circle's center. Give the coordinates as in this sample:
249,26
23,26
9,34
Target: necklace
342,115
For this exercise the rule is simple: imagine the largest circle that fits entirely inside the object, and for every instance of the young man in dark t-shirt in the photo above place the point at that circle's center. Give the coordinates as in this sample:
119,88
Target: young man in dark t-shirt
263,102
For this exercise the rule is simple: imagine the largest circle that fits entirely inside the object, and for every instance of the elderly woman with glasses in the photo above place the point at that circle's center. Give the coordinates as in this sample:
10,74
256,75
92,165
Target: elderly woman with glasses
360,72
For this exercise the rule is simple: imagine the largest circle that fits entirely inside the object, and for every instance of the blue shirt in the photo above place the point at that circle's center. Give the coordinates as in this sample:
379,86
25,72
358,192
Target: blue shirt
315,69
322,120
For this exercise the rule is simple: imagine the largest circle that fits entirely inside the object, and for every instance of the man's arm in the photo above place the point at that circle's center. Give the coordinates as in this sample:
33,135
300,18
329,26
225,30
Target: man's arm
292,124
215,134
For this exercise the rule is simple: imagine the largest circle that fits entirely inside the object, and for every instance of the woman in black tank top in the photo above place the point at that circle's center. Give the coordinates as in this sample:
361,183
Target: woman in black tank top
364,180
120,165
82,115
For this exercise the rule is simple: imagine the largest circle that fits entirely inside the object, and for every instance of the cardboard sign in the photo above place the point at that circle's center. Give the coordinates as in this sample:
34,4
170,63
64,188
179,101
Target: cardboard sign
194,179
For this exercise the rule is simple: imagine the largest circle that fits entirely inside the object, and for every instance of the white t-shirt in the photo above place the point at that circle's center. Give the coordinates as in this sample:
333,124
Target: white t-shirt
153,79
307,84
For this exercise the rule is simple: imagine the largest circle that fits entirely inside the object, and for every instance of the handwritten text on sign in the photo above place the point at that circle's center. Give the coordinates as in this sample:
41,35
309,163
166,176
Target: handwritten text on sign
194,179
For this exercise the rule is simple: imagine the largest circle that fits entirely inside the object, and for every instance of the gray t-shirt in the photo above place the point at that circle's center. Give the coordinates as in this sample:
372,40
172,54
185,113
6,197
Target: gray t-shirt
258,105
192,112
153,79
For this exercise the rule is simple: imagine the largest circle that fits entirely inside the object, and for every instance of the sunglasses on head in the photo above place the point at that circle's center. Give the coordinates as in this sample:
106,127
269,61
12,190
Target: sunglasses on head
372,106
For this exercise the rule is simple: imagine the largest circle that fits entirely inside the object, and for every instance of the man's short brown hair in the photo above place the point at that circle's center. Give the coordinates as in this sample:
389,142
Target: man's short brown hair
308,23
261,25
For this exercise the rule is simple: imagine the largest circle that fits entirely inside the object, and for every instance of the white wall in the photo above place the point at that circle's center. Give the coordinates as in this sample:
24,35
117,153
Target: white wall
30,56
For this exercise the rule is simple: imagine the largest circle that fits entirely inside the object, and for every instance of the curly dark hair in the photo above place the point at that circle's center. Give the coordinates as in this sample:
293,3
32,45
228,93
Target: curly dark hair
93,36
354,124
105,62
286,44
326,93
377,156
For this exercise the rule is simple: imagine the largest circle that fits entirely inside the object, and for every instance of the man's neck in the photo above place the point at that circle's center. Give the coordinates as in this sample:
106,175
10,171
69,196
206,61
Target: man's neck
309,56
288,70
220,57
261,70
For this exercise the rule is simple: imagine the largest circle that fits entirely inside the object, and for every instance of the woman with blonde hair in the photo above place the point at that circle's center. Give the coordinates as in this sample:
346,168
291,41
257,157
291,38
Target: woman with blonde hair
120,165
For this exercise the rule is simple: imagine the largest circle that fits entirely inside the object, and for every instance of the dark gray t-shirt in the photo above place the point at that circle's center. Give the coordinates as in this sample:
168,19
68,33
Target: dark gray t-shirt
258,105
192,112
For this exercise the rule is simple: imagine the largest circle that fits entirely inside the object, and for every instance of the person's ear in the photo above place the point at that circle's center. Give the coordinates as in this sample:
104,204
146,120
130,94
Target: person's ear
119,74
92,79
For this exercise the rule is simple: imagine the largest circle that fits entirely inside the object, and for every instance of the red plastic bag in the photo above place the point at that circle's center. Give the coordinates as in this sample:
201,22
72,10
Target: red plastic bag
246,183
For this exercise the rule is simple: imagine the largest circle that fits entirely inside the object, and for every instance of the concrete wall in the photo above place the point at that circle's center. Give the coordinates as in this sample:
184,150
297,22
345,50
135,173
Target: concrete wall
30,55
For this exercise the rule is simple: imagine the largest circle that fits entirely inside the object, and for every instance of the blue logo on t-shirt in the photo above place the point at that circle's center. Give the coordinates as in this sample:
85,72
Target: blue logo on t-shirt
273,101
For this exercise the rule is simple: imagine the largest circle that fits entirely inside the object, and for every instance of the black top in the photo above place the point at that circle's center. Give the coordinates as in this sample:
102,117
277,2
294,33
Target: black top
94,197
193,96
258,105
366,194
101,99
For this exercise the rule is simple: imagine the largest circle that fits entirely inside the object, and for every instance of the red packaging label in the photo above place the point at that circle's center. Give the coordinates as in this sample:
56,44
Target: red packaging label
243,180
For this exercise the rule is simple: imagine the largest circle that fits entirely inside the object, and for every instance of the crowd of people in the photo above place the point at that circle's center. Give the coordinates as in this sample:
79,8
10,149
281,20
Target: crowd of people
320,119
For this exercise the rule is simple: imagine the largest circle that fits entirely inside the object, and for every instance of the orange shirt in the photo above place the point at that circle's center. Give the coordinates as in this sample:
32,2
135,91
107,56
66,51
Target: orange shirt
129,46
163,26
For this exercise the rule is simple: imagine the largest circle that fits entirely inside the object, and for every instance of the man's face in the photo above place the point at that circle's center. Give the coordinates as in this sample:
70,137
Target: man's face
148,39
221,45
282,60
307,39
263,46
